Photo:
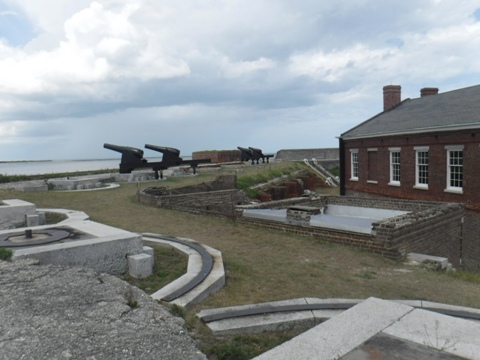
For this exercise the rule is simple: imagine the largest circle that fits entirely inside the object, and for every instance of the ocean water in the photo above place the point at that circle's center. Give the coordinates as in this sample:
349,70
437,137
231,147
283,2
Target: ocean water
62,166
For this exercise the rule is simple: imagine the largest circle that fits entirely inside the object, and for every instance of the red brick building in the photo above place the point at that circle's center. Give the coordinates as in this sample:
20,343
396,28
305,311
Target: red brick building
426,148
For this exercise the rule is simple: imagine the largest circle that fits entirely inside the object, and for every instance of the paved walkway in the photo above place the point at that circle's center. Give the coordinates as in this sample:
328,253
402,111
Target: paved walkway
380,329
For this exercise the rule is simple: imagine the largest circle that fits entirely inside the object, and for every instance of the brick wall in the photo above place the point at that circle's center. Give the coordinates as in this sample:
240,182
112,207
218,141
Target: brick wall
218,156
437,167
430,228
436,231
217,197
212,202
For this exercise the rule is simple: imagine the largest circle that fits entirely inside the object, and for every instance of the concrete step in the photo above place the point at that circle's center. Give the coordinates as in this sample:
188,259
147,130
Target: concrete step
438,263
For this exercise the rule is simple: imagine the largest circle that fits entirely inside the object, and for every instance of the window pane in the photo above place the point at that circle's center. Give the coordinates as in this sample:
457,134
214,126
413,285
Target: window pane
455,169
354,165
422,167
395,166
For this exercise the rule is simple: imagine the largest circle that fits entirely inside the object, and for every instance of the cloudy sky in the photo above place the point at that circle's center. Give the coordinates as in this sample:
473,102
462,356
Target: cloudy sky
217,74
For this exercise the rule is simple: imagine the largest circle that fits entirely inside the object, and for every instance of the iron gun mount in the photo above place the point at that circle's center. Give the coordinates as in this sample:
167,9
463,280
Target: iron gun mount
132,158
253,154
171,157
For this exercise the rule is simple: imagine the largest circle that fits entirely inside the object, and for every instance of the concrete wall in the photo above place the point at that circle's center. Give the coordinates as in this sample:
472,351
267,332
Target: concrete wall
328,155
14,211
107,254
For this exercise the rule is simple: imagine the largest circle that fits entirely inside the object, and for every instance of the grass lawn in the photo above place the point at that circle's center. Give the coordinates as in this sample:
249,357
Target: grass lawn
263,265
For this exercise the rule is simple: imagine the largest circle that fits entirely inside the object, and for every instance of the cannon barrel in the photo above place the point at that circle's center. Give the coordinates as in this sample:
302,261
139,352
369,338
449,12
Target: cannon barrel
164,149
125,150
243,149
259,151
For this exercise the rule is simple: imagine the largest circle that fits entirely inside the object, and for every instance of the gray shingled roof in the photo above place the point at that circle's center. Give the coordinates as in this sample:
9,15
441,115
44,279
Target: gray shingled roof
449,111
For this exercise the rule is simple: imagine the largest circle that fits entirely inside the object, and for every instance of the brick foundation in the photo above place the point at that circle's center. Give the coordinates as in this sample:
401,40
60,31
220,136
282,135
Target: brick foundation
431,228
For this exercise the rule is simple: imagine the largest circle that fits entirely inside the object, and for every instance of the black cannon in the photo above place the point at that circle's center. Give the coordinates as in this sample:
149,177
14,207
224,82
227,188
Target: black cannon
171,157
132,158
253,154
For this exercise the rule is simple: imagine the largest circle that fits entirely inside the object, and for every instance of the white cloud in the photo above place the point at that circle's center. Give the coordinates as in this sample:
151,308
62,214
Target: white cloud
241,68
251,69
336,65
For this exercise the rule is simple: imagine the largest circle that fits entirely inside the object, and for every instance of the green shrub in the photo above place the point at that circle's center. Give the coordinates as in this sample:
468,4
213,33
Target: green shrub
177,310
335,171
5,254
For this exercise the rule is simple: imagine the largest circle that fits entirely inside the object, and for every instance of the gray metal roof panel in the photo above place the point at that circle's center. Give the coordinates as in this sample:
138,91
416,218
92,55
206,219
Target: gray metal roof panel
451,110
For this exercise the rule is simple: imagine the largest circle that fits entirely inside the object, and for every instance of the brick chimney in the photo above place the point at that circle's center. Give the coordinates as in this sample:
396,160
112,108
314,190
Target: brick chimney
428,91
392,95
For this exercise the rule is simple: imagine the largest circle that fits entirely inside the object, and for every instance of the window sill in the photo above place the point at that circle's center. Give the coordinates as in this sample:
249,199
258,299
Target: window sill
454,191
394,184
372,182
421,187
354,179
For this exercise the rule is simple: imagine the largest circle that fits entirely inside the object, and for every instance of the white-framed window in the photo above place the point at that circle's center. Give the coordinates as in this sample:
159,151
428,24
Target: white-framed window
394,166
354,164
454,168
421,167
372,166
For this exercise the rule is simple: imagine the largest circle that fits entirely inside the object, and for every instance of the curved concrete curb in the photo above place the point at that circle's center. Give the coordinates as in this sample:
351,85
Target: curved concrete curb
212,282
72,215
303,314
108,187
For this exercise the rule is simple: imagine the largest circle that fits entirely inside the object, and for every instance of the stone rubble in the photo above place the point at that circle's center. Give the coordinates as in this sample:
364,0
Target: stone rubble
53,312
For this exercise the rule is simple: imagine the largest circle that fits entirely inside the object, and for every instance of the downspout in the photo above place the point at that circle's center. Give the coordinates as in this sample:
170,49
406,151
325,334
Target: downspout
341,147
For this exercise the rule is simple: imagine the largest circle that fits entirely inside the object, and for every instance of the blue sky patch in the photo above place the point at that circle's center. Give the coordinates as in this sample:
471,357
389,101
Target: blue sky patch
477,14
15,27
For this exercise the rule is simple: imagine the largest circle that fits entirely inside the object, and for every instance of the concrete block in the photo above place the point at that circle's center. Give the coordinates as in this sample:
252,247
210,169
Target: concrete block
148,250
32,220
80,187
140,265
440,262
445,333
336,337
41,218
14,211
35,188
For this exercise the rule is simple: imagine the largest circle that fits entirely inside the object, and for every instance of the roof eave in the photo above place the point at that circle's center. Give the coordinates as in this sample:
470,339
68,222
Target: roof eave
416,131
